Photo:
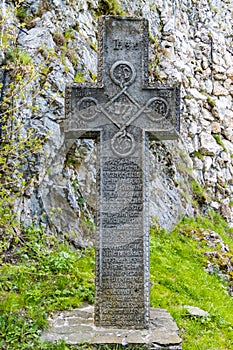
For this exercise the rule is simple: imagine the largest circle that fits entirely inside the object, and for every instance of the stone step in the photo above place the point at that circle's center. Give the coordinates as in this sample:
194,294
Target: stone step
77,327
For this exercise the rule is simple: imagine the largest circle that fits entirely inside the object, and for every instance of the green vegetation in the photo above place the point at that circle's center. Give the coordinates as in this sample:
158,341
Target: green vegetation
21,144
198,154
93,45
108,347
65,50
109,7
212,8
154,65
40,275
177,272
199,193
211,101
219,140
79,78
21,13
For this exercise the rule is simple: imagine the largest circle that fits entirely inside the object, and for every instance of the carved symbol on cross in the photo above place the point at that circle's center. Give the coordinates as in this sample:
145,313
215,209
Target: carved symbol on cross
122,112
123,74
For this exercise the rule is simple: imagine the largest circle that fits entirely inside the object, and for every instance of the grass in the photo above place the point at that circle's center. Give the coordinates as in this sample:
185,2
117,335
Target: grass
40,275
219,140
179,279
199,193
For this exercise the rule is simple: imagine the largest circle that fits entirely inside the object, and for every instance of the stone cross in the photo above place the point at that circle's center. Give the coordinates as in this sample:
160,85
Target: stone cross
122,111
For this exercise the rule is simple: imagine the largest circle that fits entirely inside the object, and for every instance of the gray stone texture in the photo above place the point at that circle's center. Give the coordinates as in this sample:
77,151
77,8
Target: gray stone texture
191,43
122,112
196,311
77,327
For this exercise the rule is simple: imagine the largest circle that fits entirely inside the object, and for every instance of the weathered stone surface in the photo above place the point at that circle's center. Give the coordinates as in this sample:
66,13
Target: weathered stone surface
161,183
219,90
216,128
228,133
122,109
228,146
77,327
196,311
196,94
36,37
226,212
201,48
208,144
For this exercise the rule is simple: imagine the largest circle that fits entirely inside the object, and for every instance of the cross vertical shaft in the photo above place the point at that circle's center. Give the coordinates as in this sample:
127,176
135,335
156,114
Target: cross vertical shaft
123,111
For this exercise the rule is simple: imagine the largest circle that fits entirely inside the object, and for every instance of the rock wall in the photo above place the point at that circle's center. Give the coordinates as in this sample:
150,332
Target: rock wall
190,43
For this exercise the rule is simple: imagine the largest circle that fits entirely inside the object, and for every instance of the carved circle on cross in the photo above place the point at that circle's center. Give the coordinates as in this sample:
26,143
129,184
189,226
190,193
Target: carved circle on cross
122,73
84,103
159,106
123,143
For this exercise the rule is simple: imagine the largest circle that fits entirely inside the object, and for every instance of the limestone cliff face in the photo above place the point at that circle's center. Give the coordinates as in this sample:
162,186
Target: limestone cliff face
190,43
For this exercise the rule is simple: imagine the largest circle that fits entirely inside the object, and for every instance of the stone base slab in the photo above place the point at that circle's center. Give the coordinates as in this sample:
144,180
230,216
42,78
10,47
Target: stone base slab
76,327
